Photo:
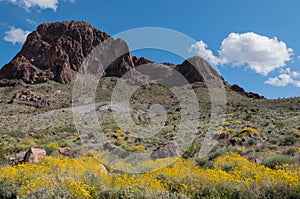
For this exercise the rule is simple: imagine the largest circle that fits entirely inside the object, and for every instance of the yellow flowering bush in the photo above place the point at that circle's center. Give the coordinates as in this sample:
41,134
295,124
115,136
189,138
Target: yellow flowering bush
247,130
231,176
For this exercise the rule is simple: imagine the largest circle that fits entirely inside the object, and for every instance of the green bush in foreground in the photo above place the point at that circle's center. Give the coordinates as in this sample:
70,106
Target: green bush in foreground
277,160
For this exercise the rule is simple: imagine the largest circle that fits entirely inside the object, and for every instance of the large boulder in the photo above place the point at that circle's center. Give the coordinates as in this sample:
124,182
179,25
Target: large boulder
34,155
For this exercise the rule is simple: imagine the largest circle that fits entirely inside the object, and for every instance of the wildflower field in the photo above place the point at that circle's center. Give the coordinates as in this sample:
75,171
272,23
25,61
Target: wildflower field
266,132
231,176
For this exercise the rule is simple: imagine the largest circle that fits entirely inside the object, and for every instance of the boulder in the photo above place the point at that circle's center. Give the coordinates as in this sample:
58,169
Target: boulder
34,155
66,151
17,159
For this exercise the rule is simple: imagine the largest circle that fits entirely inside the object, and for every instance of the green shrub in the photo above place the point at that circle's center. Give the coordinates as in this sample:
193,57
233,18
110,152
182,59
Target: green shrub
290,151
277,160
288,140
274,140
216,154
251,142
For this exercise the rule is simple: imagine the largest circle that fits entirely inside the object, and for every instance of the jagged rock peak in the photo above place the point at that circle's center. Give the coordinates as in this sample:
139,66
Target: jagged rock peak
189,67
54,50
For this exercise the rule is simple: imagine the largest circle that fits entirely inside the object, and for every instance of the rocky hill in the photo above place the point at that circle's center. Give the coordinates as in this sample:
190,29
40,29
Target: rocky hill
56,51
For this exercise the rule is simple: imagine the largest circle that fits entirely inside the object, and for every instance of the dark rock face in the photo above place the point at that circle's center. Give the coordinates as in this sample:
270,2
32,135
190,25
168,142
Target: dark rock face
237,88
240,90
54,50
140,61
189,70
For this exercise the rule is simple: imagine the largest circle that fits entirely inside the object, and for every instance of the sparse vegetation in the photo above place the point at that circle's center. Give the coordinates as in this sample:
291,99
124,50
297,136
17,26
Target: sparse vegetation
263,131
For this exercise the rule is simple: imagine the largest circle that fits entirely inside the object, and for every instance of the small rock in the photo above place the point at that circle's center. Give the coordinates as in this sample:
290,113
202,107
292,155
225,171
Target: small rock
108,146
16,160
66,151
166,150
103,168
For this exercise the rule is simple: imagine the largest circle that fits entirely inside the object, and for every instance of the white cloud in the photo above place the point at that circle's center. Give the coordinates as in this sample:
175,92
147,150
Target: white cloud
260,53
16,35
31,22
202,50
281,80
296,74
43,4
285,78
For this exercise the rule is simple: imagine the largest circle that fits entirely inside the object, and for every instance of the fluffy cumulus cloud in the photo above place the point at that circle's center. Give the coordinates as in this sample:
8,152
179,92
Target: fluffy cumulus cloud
287,77
16,35
260,53
201,48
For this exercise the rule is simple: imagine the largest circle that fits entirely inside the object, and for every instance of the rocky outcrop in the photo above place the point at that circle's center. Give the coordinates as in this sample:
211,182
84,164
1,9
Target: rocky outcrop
54,50
237,88
31,98
196,69
140,61
240,90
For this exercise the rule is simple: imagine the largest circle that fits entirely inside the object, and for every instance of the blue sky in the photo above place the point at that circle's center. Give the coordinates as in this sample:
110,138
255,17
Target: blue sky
255,44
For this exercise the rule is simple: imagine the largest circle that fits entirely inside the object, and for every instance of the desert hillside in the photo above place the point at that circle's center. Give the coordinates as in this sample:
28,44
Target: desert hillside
198,138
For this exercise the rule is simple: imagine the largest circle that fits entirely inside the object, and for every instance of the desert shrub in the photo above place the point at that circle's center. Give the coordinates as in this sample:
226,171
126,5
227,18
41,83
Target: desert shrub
290,151
279,124
277,160
246,131
288,140
193,148
51,147
274,140
251,142
214,155
247,117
